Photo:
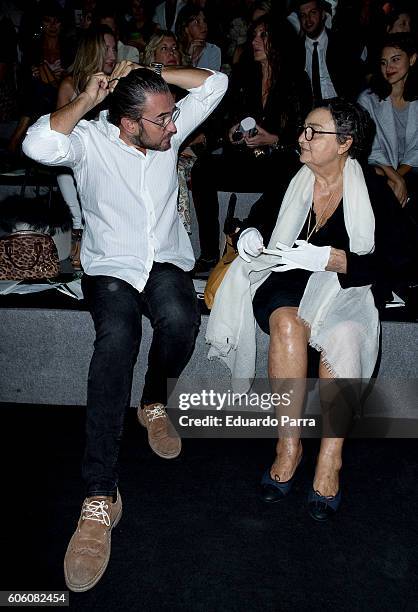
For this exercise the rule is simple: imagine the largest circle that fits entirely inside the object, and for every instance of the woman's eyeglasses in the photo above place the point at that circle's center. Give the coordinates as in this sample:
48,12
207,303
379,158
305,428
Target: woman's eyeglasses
164,121
310,132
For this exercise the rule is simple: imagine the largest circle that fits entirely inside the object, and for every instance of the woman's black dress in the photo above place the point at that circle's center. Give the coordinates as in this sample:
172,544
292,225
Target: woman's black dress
287,288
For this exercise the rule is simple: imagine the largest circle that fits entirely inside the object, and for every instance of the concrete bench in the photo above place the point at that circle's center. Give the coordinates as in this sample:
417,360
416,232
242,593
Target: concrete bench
45,355
45,352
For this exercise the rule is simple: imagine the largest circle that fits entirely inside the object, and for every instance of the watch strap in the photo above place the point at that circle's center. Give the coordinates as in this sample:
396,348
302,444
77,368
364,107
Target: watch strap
157,67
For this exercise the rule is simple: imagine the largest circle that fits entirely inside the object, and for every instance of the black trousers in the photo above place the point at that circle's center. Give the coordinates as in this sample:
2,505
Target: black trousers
169,300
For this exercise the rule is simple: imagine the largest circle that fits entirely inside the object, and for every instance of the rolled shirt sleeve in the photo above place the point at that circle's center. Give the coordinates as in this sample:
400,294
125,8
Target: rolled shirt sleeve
46,146
199,104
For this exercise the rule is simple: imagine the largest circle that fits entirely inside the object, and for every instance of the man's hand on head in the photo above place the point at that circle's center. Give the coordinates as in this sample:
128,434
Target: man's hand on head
122,69
97,88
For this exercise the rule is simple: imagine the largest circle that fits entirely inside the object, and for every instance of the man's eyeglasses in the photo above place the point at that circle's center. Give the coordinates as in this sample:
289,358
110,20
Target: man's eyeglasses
164,121
310,132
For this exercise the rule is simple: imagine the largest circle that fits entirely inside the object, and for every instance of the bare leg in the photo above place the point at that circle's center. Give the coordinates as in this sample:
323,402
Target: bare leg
329,462
288,358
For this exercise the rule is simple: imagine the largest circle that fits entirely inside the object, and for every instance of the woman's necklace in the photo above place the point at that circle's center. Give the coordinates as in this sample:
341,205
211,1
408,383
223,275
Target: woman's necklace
318,224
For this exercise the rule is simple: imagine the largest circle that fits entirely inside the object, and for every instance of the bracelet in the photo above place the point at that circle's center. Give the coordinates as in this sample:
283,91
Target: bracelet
156,67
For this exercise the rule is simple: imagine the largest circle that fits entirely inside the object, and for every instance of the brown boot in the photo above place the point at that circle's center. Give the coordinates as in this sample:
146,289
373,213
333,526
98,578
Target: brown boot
162,437
88,552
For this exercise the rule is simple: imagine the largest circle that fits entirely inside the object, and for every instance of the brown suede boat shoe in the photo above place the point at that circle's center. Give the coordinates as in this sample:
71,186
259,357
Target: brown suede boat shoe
162,437
88,552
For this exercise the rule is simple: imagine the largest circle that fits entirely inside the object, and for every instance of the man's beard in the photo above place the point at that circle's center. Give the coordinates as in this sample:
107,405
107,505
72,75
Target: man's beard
141,140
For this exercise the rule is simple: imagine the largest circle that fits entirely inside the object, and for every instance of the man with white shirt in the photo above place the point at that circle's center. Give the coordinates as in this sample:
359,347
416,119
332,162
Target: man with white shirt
136,256
331,62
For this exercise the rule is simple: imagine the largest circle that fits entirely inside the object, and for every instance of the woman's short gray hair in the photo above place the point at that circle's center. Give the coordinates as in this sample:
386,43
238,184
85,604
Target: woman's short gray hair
353,120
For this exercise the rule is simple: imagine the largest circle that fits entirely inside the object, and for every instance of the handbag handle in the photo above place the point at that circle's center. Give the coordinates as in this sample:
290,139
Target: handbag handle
38,251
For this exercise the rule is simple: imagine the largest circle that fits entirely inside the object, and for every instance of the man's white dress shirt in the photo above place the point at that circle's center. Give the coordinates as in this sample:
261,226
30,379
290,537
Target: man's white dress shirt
327,88
129,199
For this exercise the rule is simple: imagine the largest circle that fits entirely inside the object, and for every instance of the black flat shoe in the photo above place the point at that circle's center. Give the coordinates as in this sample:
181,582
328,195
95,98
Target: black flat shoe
273,491
320,507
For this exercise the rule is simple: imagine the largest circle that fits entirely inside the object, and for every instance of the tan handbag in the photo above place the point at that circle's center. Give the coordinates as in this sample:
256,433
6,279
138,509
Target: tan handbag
218,273
26,255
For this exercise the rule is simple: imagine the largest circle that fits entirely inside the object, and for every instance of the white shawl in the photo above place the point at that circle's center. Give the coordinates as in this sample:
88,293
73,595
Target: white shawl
344,323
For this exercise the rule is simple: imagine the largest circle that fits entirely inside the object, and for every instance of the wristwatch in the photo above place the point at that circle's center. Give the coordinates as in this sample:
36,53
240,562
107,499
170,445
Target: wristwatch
157,67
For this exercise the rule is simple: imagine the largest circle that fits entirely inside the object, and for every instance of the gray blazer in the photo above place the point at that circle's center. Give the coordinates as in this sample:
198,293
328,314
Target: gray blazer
385,144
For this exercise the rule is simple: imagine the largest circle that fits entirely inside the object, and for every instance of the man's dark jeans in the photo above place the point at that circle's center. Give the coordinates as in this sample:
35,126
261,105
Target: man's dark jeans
169,301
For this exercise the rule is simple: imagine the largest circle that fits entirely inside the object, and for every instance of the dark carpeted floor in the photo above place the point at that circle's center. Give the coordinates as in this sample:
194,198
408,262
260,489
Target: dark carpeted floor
194,535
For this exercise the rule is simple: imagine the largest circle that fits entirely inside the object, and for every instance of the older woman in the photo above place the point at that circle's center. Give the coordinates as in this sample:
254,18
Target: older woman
392,101
328,250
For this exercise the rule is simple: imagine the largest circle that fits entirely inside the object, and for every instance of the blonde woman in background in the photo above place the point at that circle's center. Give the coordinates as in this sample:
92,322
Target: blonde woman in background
162,48
96,53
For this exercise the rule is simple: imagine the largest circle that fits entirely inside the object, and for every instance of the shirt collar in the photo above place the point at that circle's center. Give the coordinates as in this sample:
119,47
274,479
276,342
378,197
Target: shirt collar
108,129
112,132
321,39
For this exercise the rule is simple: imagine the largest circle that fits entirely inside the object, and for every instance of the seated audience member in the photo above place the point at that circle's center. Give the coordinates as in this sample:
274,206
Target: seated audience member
136,256
105,14
217,17
331,241
237,29
400,19
166,13
163,49
139,26
87,10
392,102
258,9
332,61
192,33
273,90
96,53
44,64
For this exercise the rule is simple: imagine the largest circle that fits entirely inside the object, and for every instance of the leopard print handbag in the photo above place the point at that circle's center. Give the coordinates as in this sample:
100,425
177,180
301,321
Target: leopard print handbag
26,255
